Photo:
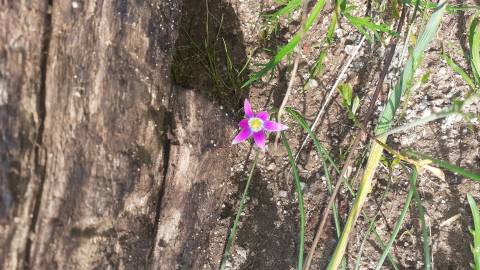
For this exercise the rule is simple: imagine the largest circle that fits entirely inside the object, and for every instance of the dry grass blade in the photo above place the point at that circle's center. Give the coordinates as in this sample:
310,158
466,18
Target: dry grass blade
330,94
358,138
384,123
294,70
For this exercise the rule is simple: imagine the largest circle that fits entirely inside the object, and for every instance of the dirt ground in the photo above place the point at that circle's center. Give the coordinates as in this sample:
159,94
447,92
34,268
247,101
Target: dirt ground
268,234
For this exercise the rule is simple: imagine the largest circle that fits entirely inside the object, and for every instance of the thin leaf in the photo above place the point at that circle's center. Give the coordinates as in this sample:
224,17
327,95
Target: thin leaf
476,232
323,153
317,68
384,123
443,164
233,232
290,46
371,228
362,23
474,38
451,8
401,218
427,258
333,25
393,102
365,187
287,9
456,68
301,209
326,159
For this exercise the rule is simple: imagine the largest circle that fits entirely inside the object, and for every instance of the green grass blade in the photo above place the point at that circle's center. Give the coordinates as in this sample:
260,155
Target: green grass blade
320,149
384,124
446,165
362,23
455,109
475,232
333,23
371,228
427,258
451,8
233,232
417,122
290,46
317,68
456,68
323,153
415,11
474,38
287,9
398,225
393,102
380,243
298,188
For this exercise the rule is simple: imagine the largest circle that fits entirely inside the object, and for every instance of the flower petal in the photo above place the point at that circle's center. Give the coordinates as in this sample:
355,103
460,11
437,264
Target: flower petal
243,124
242,136
247,108
260,139
274,126
262,115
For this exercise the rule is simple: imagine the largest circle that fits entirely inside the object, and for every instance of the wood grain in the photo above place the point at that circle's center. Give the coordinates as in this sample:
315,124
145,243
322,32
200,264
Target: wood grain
104,165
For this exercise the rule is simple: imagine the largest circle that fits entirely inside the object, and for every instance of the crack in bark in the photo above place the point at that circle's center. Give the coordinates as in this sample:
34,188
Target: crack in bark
168,124
40,163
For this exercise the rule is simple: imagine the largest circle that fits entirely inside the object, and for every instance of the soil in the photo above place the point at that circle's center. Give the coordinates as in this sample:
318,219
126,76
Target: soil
268,232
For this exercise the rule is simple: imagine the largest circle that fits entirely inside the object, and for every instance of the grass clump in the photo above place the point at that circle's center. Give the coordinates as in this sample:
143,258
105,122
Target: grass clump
210,55
413,162
384,123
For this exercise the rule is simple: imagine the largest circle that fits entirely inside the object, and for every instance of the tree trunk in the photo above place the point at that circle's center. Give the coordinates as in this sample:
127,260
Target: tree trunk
103,164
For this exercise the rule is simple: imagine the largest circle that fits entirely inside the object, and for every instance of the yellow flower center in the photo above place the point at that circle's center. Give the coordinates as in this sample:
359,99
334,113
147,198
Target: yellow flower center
256,124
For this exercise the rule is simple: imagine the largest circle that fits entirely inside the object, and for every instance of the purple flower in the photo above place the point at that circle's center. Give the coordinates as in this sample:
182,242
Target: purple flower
255,125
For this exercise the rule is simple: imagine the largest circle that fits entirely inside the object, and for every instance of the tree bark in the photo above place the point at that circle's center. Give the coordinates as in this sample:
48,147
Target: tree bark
22,85
195,185
104,165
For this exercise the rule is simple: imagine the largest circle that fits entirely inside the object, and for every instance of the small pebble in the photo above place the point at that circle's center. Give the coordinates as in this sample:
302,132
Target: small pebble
350,49
303,185
312,84
242,252
75,4
271,167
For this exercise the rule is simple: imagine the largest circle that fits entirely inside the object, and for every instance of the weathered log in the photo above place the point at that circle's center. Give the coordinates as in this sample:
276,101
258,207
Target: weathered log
22,87
103,165
195,183
107,74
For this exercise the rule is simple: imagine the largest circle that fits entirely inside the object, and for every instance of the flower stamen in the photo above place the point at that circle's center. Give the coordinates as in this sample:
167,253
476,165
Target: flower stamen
255,124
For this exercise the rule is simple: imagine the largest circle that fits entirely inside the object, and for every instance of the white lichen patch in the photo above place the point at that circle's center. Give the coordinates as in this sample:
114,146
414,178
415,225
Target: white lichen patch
3,92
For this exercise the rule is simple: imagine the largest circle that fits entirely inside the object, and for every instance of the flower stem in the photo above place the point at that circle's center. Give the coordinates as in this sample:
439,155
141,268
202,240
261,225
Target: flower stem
298,187
233,231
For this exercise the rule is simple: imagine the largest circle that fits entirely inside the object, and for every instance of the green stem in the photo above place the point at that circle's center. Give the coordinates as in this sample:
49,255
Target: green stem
233,232
475,232
425,235
298,188
398,225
